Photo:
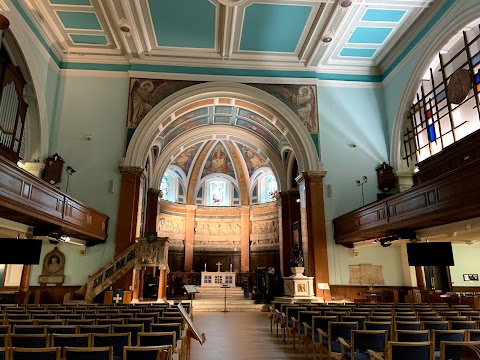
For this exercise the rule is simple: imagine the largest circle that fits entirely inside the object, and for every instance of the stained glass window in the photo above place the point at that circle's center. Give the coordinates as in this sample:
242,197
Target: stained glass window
218,194
164,186
272,187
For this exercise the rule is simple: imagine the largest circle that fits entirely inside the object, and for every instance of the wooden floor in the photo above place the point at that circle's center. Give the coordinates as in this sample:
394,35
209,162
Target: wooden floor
239,335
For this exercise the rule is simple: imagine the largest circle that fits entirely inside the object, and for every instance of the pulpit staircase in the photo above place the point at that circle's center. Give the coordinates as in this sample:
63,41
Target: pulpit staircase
105,277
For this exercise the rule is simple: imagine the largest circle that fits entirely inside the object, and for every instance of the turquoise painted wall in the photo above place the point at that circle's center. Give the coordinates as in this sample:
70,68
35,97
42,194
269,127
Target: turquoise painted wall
95,106
466,262
347,116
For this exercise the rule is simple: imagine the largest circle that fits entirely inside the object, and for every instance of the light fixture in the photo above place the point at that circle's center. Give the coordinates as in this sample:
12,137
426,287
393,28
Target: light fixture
124,26
323,287
65,238
346,3
361,183
327,38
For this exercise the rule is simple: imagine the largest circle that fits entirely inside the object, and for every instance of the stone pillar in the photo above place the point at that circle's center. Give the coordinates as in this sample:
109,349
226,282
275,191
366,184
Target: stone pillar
245,238
314,236
289,213
420,278
151,211
127,217
189,236
136,285
162,285
140,284
25,279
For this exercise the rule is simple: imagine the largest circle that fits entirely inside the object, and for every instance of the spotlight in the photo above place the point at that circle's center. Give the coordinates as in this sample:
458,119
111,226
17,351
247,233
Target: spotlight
71,170
345,3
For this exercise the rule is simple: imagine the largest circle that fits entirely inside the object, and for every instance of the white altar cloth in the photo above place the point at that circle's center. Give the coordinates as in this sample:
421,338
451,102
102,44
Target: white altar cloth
217,278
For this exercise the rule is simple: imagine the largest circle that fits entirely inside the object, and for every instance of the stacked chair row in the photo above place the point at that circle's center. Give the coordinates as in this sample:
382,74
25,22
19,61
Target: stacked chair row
310,324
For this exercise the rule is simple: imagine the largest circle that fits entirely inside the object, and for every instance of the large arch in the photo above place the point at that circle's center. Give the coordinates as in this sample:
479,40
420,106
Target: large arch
296,134
439,35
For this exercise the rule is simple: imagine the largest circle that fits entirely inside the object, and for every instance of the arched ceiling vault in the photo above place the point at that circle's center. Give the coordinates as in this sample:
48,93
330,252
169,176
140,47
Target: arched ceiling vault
274,111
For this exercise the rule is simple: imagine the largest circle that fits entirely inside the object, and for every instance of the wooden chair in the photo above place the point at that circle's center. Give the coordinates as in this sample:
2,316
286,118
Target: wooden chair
335,330
434,325
147,353
29,329
116,341
48,353
4,340
4,353
94,329
61,329
70,340
412,335
361,341
447,335
473,335
406,350
458,350
88,353
462,325
29,340
313,335
133,329
158,339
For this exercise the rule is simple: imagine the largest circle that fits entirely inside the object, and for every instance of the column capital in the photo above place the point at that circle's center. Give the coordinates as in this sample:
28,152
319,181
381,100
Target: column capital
191,207
152,191
4,22
134,170
245,208
312,176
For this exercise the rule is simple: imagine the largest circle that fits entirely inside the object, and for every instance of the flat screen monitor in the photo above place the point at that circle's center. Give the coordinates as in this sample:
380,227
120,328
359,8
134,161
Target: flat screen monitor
430,254
20,251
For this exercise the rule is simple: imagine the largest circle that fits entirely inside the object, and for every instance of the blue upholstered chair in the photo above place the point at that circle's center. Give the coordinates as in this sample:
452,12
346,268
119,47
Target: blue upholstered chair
116,341
29,340
329,342
404,350
361,341
412,335
81,353
47,353
147,352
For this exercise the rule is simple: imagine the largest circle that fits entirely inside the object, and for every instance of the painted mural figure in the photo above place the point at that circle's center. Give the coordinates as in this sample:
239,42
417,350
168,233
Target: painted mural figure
140,96
219,162
252,159
303,99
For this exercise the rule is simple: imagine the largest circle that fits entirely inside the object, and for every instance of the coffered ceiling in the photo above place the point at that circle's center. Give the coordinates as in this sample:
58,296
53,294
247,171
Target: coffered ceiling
329,36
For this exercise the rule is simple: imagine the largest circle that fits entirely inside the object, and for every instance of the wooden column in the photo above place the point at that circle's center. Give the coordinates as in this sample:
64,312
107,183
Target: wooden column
136,285
127,218
189,236
162,285
140,284
289,213
151,211
420,278
314,236
245,238
25,279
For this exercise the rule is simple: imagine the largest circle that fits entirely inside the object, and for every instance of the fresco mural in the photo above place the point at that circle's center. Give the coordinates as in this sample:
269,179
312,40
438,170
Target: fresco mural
187,125
146,93
258,130
260,120
252,159
218,161
302,99
185,159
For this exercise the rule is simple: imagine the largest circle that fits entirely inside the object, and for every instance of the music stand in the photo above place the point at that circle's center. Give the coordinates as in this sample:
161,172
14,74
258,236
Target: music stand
225,286
191,291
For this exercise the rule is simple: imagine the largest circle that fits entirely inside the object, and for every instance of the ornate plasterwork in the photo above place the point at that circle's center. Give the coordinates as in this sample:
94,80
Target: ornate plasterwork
173,227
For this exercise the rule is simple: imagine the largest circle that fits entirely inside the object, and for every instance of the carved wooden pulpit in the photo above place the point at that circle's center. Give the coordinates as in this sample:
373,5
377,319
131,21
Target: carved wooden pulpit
152,252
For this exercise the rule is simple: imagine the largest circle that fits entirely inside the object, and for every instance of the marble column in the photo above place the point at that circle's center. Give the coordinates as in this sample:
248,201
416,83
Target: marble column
289,213
152,209
128,207
189,236
245,239
25,279
314,236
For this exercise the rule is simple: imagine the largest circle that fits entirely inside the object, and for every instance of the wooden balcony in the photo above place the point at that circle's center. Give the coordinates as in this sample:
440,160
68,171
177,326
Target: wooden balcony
29,200
451,197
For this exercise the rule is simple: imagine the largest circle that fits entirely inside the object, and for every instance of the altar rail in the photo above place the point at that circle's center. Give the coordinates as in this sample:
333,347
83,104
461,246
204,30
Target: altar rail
451,197
29,200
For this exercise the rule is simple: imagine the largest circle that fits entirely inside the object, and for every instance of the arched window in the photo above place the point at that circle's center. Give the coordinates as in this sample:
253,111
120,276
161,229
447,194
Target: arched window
218,192
169,187
268,188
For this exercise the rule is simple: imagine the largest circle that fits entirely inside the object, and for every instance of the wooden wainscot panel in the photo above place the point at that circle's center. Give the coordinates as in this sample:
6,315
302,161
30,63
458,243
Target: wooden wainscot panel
49,201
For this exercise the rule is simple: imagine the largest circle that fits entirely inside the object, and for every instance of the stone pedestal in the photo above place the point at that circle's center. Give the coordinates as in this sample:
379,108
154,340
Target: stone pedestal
298,285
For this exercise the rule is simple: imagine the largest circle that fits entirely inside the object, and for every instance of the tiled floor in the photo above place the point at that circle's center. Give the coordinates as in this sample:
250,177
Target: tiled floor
239,335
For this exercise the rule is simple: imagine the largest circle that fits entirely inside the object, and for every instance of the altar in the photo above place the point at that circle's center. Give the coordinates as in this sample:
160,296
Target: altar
217,279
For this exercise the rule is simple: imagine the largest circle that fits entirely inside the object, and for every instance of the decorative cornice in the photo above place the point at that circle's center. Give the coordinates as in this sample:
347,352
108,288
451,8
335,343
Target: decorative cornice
131,170
310,175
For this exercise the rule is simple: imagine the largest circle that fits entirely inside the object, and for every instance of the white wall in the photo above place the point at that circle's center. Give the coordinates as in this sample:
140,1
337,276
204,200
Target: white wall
466,258
90,104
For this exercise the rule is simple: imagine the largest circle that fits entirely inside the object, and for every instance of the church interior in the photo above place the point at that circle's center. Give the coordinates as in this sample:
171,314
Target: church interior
321,151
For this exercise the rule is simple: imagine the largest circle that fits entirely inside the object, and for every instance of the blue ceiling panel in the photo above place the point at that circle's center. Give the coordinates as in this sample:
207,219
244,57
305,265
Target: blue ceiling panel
70,2
354,52
79,20
383,15
184,23
369,35
269,27
89,39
